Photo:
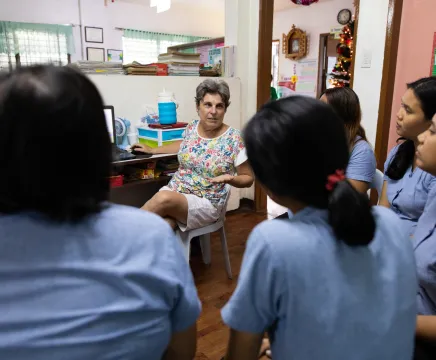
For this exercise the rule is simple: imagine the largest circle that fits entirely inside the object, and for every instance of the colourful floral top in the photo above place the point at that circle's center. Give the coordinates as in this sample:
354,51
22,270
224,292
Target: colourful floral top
202,159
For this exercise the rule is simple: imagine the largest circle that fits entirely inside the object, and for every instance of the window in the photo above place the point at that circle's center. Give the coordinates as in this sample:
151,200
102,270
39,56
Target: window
28,44
145,47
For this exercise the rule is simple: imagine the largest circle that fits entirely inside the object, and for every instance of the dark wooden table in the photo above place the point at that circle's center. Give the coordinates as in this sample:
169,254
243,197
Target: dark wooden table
137,193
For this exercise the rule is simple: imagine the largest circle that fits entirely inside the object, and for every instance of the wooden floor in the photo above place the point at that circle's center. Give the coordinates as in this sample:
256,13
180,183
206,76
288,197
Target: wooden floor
214,288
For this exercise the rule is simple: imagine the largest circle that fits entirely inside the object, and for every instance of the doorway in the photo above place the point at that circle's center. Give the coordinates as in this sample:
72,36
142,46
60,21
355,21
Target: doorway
275,63
327,60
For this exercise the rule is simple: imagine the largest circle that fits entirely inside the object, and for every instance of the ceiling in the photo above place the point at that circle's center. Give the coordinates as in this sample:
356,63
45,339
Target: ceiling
216,4
279,5
213,4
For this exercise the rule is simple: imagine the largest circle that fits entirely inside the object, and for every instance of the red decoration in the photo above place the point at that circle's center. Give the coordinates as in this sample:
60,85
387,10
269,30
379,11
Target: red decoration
333,179
304,2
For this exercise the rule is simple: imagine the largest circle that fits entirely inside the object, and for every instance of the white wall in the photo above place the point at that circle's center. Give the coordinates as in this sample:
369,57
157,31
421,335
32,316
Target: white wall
371,40
186,19
316,19
242,30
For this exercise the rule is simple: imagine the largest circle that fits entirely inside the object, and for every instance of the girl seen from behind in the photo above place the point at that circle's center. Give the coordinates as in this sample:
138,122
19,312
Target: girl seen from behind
80,278
406,187
337,279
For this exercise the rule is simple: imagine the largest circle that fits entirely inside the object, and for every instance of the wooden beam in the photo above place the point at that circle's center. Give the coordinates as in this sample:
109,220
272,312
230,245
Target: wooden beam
266,15
388,80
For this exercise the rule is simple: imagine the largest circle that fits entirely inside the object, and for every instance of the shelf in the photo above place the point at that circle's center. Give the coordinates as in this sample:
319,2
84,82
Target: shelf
141,160
134,183
195,44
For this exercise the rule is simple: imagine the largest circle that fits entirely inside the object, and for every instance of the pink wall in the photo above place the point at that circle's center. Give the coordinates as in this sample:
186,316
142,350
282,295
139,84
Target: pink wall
418,26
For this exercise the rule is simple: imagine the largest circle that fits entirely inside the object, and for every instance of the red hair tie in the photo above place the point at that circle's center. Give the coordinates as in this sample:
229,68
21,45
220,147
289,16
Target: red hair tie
333,179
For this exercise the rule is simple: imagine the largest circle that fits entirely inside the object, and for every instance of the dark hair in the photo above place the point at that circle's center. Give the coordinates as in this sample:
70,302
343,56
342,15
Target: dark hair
55,152
293,145
425,91
346,104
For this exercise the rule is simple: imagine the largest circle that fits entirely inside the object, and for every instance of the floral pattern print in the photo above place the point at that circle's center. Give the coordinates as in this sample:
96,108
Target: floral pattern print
202,159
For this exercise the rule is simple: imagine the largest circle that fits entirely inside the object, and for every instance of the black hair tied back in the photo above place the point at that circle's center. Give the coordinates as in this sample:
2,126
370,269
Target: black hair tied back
298,150
350,215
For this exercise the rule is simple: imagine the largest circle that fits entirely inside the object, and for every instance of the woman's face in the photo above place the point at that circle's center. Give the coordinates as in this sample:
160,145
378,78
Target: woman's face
426,150
411,120
211,111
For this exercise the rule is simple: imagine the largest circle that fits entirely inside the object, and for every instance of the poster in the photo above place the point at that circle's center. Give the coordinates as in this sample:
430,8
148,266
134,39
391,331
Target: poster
115,55
433,58
286,88
307,72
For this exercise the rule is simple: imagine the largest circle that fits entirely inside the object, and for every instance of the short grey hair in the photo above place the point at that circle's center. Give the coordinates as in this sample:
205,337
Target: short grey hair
213,86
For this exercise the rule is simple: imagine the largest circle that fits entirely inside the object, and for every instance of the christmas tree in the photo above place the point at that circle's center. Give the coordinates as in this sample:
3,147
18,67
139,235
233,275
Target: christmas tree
340,75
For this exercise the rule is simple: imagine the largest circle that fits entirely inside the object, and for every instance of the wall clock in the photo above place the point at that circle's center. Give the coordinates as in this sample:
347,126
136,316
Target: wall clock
344,16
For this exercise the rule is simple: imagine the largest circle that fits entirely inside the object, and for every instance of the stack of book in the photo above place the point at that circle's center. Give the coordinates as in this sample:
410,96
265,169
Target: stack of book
135,68
181,64
99,67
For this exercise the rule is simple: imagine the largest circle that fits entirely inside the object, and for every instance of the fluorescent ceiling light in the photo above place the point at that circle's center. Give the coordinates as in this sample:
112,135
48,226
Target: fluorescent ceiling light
153,3
163,5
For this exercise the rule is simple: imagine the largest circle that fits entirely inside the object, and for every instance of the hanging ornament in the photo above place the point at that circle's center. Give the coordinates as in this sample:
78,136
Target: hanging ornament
304,2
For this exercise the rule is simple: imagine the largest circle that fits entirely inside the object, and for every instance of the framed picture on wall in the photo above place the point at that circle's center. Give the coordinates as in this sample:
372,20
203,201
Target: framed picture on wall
115,55
94,54
93,34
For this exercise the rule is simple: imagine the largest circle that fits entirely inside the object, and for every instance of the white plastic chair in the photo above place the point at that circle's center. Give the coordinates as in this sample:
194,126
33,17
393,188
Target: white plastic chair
204,234
377,183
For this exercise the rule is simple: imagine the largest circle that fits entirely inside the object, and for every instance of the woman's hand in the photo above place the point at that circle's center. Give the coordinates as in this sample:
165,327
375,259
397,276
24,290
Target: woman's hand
222,179
142,148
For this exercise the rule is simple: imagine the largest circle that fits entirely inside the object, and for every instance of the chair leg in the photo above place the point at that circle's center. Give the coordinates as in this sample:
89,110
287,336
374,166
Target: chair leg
225,252
185,241
205,248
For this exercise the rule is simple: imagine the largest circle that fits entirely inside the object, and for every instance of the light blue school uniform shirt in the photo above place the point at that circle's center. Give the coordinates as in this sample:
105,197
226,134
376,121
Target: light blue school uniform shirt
114,287
362,163
320,299
424,243
408,196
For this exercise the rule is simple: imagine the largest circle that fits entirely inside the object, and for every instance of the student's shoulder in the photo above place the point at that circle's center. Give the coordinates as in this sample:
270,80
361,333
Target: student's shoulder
362,146
281,235
389,223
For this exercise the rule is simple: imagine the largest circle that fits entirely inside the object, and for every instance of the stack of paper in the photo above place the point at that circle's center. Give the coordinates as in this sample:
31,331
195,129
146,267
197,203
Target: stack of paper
99,67
181,64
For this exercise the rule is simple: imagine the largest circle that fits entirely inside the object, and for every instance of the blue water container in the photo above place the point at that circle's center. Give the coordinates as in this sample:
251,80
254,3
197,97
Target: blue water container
167,113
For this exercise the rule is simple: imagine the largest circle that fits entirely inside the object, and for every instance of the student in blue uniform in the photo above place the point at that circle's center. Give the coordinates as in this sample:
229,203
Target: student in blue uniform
80,278
335,281
362,165
424,243
406,188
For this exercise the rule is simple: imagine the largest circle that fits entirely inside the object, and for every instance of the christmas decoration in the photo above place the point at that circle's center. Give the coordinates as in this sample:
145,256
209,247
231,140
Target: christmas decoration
341,72
304,2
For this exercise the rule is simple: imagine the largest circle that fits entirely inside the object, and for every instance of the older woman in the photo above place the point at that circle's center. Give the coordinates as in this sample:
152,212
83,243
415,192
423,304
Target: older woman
211,155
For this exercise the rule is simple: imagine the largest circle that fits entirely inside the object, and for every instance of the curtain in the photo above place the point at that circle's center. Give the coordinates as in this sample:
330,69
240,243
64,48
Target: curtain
35,43
145,46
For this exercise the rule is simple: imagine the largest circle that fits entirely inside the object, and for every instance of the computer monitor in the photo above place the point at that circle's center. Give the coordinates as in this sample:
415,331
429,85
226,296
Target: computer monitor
109,113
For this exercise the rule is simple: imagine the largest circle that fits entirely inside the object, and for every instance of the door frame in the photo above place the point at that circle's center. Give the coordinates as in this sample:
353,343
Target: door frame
323,40
266,15
395,7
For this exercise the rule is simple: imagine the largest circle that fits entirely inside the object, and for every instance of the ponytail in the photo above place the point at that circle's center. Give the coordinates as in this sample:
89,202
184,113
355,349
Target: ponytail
350,215
402,160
